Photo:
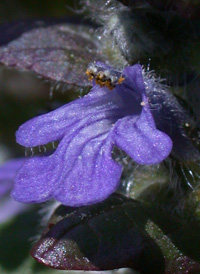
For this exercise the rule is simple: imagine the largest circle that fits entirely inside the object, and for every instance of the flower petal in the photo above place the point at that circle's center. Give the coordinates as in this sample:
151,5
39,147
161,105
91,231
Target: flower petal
52,126
81,171
92,175
141,140
134,77
34,181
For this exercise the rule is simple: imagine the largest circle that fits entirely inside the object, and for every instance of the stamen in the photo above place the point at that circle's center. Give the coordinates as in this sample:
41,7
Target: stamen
104,77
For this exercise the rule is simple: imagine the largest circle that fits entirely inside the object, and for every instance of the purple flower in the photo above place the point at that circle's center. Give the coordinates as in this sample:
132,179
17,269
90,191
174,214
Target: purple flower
8,207
81,171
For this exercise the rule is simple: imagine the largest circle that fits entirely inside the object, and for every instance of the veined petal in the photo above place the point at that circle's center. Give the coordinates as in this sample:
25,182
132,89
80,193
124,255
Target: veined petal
92,176
140,139
52,126
34,181
80,172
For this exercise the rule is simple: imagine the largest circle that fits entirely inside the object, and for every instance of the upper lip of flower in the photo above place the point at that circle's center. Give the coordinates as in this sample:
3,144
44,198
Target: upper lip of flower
82,171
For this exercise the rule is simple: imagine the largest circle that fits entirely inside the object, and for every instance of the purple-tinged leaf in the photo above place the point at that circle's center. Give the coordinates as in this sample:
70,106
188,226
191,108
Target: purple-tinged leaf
104,236
60,53
13,30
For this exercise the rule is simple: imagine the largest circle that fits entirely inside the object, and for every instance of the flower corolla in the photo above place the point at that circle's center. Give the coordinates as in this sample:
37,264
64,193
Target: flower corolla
82,171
